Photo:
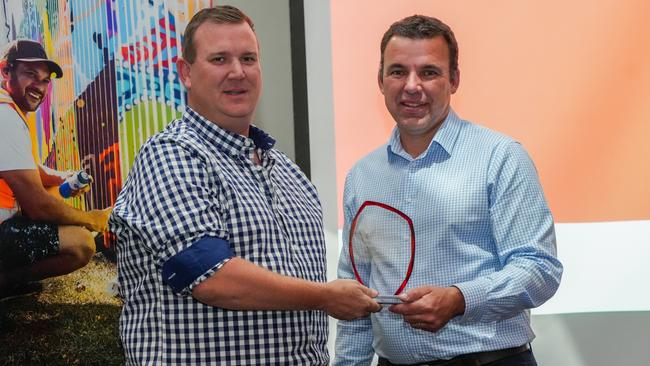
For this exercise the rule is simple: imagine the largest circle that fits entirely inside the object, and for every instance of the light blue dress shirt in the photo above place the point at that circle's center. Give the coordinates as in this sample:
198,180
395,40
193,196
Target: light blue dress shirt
481,224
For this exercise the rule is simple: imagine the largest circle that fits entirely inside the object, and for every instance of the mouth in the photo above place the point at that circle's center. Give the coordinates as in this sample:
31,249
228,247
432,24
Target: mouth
235,92
412,104
34,94
414,107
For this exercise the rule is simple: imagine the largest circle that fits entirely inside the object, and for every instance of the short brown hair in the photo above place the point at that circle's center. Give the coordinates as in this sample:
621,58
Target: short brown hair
218,14
422,27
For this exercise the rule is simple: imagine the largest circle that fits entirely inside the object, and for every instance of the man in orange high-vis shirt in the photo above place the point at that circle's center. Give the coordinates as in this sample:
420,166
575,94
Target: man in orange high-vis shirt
40,235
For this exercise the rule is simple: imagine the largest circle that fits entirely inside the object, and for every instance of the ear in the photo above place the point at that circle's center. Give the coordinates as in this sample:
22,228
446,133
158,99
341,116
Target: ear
183,68
380,80
4,68
456,82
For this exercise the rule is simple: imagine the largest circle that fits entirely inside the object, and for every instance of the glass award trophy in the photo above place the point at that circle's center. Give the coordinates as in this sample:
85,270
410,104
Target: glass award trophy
382,249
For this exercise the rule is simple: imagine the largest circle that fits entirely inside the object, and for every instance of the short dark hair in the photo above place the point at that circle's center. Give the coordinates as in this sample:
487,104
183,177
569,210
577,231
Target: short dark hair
422,27
222,14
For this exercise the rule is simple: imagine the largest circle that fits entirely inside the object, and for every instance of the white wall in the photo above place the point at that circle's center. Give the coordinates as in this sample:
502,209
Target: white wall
321,127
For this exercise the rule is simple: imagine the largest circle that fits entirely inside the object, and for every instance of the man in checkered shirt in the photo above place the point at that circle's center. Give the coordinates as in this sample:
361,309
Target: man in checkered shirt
221,253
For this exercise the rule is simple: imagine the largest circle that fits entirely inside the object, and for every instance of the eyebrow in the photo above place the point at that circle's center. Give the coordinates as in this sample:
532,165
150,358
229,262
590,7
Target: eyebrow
251,52
424,67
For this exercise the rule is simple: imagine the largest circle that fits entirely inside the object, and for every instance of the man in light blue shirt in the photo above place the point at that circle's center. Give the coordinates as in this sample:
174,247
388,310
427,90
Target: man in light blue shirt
485,241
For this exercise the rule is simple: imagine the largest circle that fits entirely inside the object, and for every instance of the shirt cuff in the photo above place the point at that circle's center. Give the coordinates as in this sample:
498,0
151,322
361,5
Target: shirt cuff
474,294
188,290
195,263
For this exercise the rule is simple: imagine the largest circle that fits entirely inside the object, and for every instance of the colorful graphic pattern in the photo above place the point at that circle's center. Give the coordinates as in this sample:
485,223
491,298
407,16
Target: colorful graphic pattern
119,85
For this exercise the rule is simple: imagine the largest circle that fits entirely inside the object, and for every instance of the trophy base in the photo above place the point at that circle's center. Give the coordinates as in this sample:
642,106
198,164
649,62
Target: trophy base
388,299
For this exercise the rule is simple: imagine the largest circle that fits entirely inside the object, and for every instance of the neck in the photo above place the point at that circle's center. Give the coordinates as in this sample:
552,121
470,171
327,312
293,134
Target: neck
238,126
416,144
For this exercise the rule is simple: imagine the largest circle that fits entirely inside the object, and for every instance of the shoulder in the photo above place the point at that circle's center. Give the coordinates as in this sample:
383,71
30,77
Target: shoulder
177,141
484,135
479,141
11,121
373,161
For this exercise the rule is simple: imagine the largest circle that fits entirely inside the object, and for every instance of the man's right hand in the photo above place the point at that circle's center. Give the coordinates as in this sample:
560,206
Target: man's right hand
348,299
98,219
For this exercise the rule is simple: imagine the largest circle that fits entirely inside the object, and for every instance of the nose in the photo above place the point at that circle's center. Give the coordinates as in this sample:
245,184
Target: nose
41,86
412,85
236,70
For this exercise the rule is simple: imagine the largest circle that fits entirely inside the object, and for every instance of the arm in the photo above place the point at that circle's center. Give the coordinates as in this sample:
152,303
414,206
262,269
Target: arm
524,238
242,285
175,208
51,177
525,245
37,204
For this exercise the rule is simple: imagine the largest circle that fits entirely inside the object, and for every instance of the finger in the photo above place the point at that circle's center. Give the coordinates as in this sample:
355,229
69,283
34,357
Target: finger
401,308
407,307
370,292
418,325
413,319
415,294
375,307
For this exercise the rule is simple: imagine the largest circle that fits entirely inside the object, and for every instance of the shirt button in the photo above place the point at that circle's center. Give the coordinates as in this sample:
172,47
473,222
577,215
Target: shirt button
247,143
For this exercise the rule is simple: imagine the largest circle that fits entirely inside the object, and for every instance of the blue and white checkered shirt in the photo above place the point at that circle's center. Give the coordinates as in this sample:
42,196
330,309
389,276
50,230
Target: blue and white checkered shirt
196,180
481,224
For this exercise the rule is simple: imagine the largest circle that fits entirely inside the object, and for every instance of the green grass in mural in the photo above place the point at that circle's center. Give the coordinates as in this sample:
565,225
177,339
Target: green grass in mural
73,321
140,123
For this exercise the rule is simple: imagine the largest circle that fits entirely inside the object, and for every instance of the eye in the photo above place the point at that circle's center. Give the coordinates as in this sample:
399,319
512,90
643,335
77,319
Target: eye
249,59
430,73
218,59
396,72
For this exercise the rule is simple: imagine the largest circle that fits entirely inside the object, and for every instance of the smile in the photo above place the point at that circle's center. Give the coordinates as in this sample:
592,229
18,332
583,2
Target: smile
412,104
234,92
35,95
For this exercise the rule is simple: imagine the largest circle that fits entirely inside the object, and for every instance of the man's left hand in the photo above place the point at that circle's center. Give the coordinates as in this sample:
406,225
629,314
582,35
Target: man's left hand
429,307
82,190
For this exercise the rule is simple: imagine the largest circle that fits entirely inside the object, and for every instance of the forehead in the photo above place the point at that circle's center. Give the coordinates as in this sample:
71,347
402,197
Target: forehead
225,37
38,67
404,50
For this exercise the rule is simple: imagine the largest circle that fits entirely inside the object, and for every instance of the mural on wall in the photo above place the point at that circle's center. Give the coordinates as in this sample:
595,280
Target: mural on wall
119,85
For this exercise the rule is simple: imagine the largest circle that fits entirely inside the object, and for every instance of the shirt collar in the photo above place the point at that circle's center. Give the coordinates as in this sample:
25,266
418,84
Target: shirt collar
445,138
227,141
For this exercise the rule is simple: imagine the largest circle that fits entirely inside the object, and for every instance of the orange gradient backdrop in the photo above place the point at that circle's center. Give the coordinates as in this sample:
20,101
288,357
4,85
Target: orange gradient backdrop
569,80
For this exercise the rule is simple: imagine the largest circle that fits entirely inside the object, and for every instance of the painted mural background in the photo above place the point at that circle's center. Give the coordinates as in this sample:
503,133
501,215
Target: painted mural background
119,85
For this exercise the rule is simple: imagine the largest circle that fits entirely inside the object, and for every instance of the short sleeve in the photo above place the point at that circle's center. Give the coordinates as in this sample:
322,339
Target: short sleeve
168,204
15,144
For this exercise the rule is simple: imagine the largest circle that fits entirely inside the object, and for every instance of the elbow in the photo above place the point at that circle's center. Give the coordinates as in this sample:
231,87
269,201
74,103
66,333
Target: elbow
549,283
37,211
